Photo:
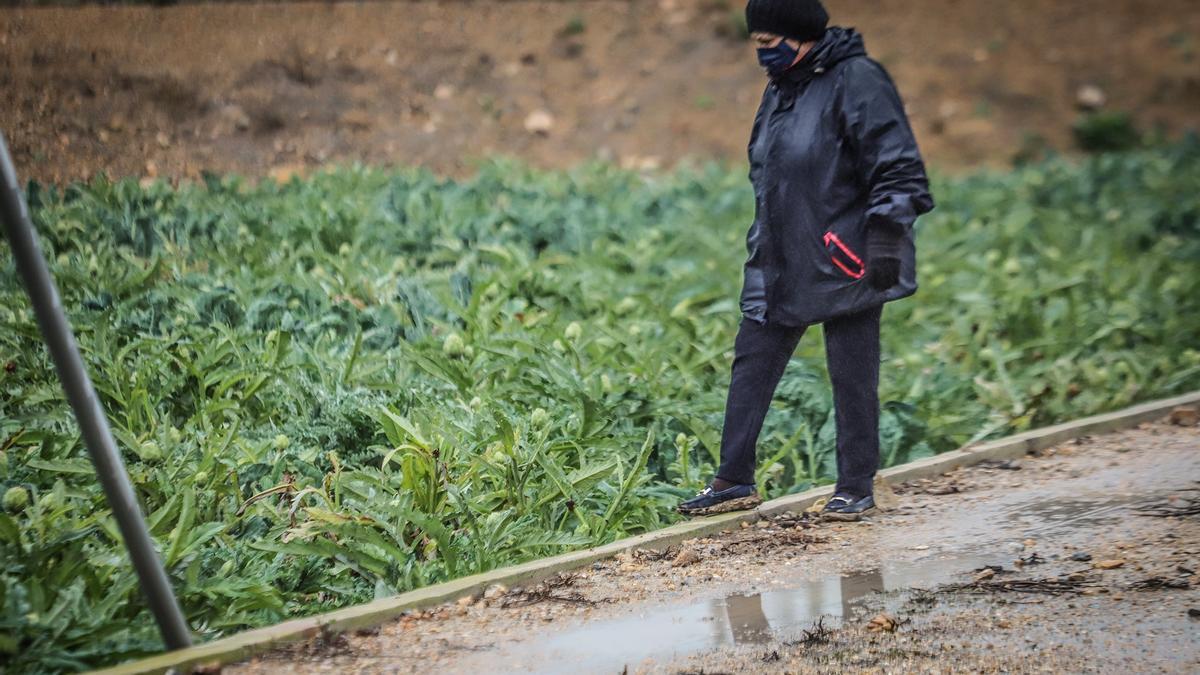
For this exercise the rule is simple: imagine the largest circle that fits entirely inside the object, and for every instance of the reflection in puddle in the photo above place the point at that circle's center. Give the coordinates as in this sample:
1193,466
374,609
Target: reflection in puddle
745,616
607,646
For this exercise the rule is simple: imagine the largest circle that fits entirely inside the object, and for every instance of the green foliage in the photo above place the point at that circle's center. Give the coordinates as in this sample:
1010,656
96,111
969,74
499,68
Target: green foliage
347,387
1033,148
575,26
1106,131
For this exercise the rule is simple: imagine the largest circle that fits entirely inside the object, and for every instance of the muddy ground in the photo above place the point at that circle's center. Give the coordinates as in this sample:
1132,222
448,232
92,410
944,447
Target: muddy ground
267,88
1081,559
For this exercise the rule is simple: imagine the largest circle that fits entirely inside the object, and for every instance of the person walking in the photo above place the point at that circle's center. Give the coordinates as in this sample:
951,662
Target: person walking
838,184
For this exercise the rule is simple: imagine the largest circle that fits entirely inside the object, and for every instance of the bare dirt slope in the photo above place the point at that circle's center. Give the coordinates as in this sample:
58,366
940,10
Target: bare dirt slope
257,88
1078,560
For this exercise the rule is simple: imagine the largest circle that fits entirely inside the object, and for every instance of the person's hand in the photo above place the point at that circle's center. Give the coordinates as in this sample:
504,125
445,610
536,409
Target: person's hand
883,258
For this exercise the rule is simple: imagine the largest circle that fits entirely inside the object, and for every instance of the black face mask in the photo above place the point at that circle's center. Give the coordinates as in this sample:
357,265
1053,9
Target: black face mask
777,59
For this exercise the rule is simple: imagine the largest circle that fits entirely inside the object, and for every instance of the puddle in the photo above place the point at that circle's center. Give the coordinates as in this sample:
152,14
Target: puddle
1051,515
770,616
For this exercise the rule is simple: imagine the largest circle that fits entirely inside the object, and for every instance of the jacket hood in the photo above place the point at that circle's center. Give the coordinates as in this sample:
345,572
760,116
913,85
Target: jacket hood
838,44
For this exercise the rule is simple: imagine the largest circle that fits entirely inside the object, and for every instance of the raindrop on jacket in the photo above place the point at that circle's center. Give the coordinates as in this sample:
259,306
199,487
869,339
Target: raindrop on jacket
831,155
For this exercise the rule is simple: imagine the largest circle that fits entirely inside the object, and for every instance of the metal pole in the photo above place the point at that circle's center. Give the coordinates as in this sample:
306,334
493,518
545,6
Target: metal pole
92,423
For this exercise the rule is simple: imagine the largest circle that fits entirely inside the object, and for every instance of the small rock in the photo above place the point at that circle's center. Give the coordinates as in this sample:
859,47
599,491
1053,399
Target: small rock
495,591
985,574
882,622
1185,416
151,169
466,601
1108,564
1090,97
539,122
116,123
686,557
163,140
231,118
763,524
443,91
1081,556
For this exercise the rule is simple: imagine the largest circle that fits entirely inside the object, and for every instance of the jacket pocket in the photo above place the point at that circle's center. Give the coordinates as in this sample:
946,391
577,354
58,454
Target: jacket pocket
844,257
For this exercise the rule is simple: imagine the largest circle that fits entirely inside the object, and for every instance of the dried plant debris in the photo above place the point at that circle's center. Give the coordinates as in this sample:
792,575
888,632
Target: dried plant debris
1002,464
1069,584
1185,416
1179,505
1158,583
922,599
942,485
818,635
649,555
687,556
988,571
762,540
550,590
790,519
1031,559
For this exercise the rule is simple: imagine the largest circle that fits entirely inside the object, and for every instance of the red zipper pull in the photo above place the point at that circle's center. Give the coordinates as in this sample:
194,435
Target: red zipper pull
857,274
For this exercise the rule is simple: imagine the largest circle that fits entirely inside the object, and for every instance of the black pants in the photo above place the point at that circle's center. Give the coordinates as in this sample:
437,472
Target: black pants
761,352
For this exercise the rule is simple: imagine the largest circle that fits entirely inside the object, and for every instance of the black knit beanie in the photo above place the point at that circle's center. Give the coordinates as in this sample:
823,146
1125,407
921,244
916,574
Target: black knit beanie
802,20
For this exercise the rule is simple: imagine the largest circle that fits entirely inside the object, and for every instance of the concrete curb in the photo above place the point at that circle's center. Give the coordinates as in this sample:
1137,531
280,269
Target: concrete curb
244,645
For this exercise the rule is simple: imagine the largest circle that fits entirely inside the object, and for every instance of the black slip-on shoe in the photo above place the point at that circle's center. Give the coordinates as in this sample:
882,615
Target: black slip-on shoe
709,501
846,507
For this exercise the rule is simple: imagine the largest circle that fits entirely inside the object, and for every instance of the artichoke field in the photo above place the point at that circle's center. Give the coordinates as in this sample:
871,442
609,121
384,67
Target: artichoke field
352,385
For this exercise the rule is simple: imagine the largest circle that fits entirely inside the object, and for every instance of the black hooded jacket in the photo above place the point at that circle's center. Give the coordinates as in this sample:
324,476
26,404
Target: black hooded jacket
831,155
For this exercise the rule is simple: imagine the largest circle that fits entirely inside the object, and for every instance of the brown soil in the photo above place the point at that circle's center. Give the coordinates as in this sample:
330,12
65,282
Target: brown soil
276,89
1047,563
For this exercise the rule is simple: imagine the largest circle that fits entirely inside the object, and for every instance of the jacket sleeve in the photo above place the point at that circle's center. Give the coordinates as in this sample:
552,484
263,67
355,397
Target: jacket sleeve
889,163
